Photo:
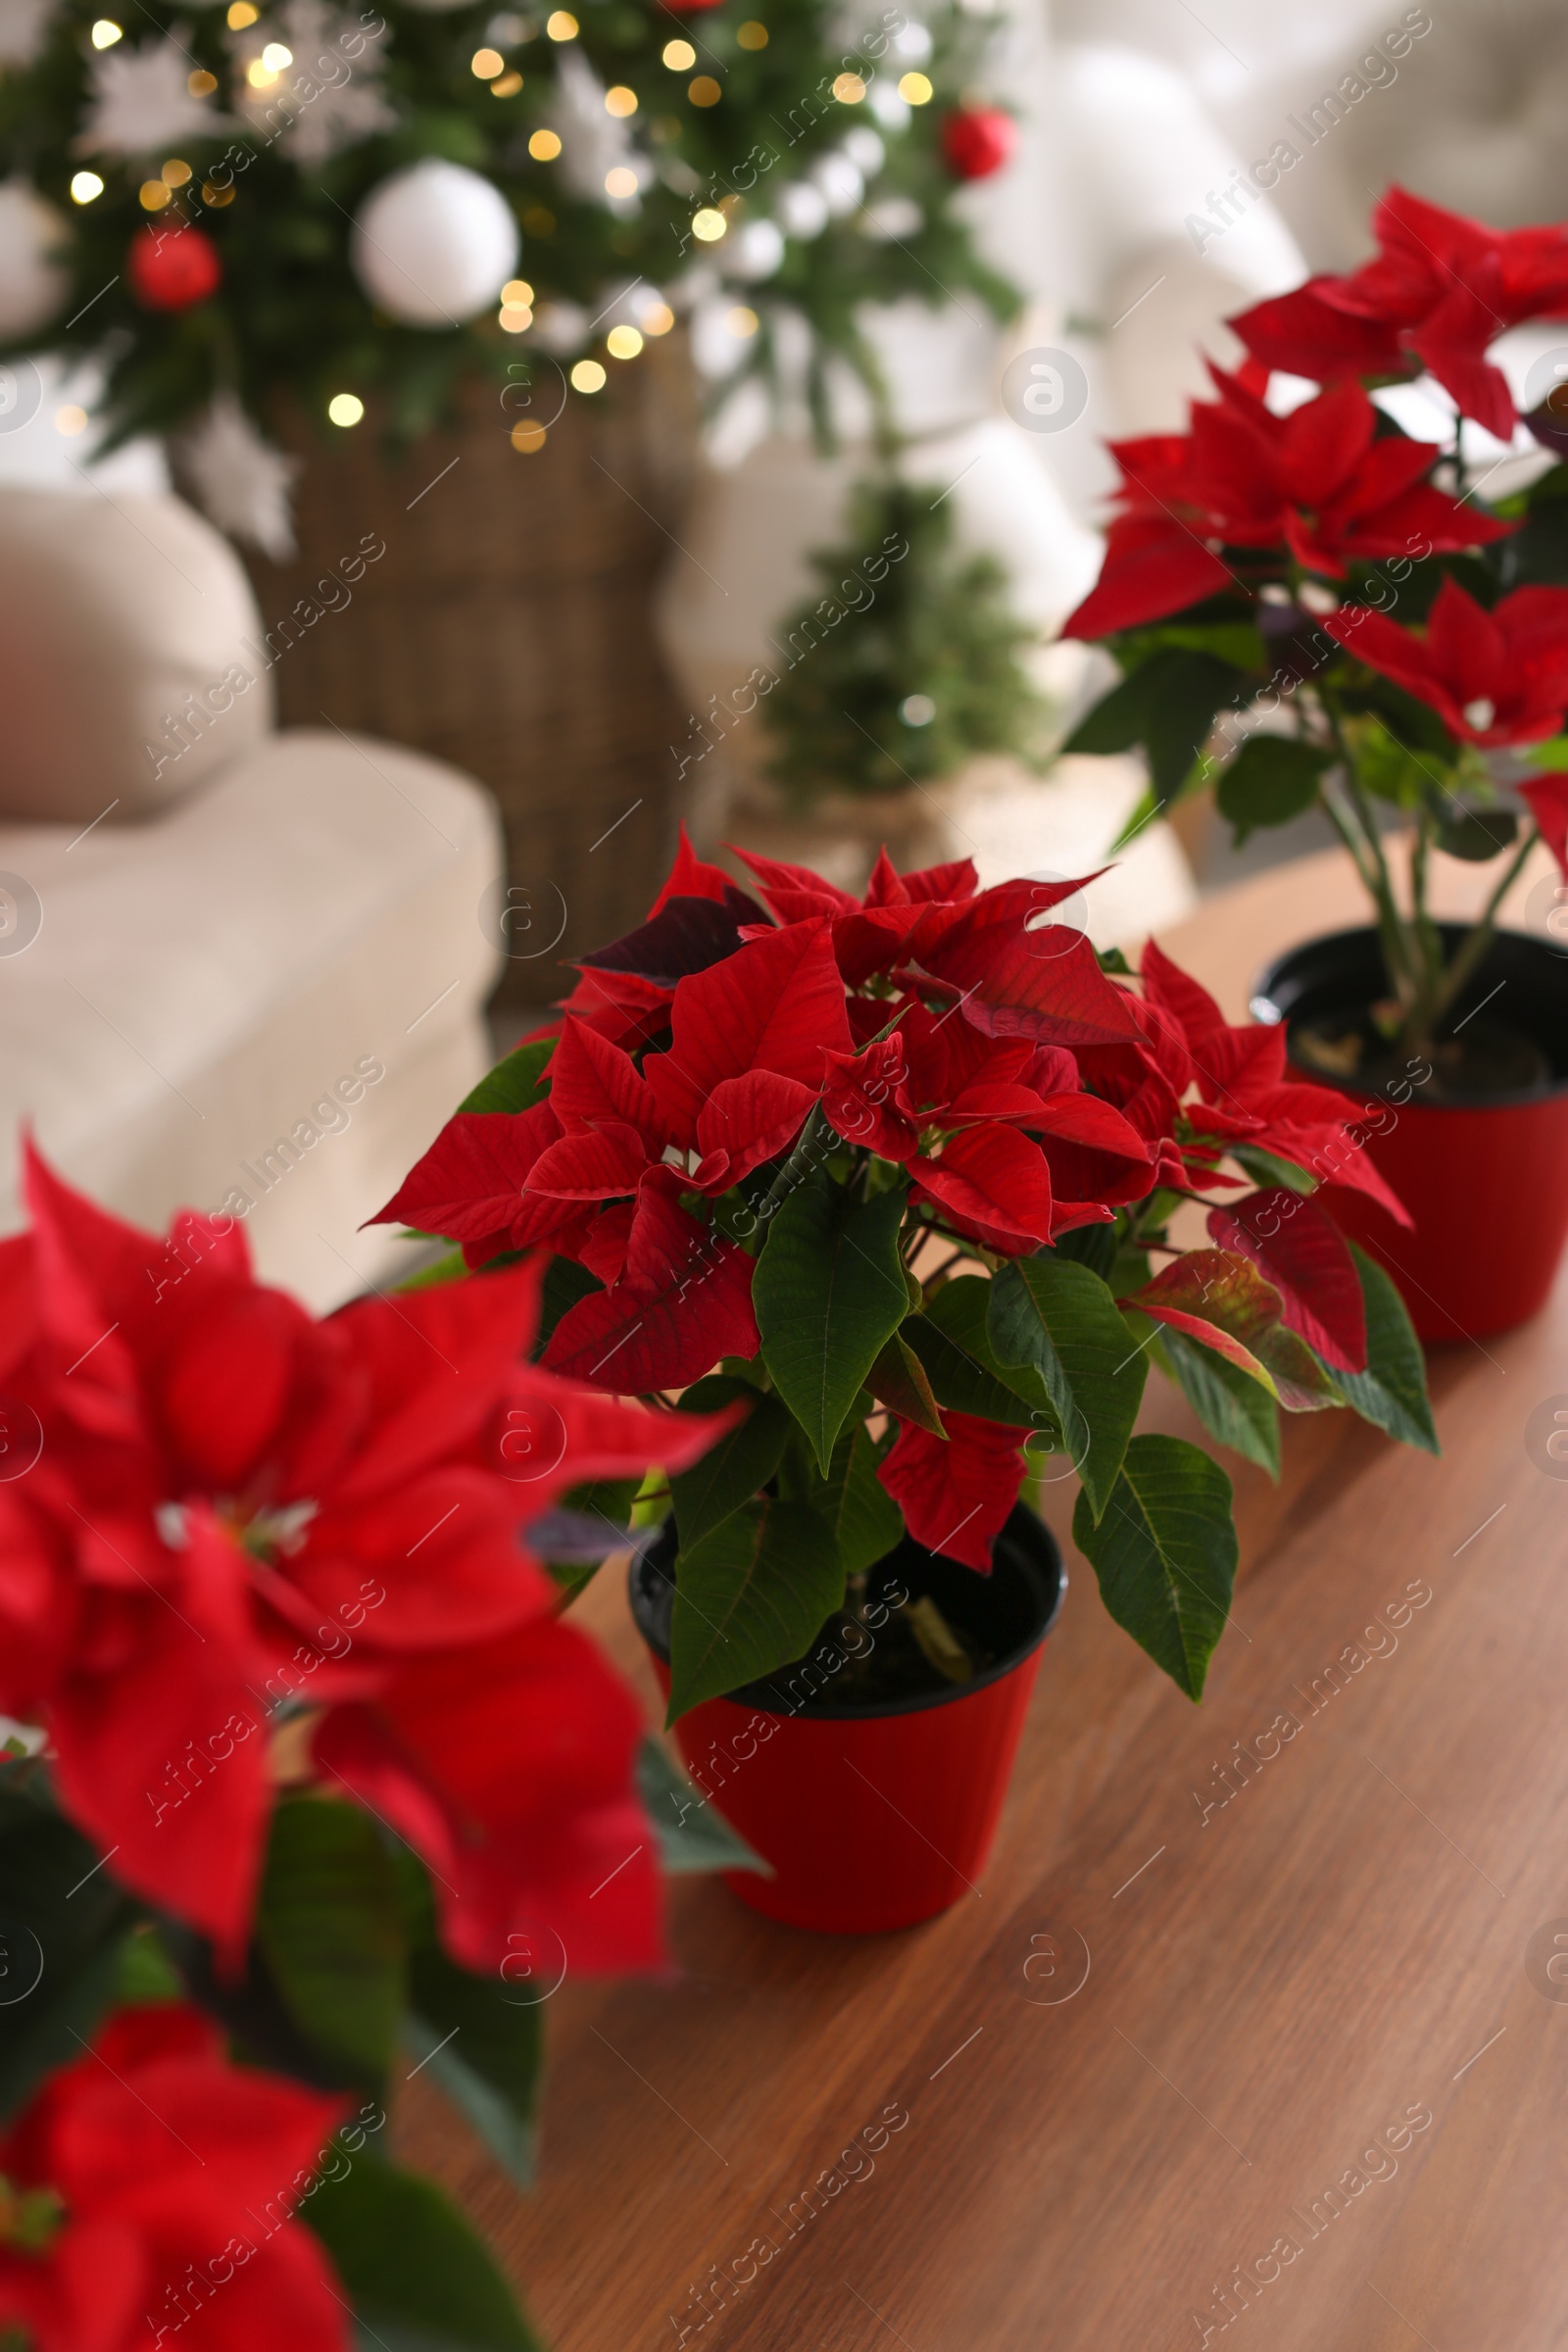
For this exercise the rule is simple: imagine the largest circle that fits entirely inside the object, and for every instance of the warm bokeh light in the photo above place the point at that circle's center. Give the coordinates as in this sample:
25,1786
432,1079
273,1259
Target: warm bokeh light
620,100
174,173
517,292
508,86
708,227
241,14
201,83
679,56
106,32
515,318
741,321
486,64
562,26
752,35
623,342
658,321
528,438
621,181
345,407
704,90
588,376
71,420
915,88
153,195
544,146
84,186
848,89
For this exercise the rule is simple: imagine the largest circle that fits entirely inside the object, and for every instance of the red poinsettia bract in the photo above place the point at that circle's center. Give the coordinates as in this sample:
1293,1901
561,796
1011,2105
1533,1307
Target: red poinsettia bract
1438,293
235,1509
1319,483
1547,796
1492,678
963,1036
147,2196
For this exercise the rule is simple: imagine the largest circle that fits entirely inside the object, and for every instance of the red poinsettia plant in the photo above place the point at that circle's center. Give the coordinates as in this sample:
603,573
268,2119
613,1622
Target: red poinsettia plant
306,1771
1312,606
895,1179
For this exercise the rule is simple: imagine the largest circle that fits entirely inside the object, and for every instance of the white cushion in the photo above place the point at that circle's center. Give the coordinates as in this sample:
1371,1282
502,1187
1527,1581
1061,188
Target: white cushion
133,660
199,1015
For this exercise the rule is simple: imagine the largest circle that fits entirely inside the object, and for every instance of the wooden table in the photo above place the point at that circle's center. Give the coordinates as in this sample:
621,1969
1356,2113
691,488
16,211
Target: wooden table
1276,1985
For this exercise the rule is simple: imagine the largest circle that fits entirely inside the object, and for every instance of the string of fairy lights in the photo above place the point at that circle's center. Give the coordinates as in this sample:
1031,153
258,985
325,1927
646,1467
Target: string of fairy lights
362,209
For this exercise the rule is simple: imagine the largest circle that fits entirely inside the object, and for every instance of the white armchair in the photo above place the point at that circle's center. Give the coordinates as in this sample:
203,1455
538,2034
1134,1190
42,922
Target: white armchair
239,969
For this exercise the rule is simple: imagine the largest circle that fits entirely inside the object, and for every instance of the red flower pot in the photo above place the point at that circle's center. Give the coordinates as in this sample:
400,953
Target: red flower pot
872,1816
1484,1177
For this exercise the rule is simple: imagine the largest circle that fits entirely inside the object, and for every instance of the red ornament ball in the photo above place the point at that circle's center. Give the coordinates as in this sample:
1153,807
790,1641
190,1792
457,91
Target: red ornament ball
172,269
978,141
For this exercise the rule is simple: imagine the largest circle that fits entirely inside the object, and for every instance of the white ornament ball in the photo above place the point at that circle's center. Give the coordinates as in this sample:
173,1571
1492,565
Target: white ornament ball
757,250
840,184
32,283
434,245
864,150
801,208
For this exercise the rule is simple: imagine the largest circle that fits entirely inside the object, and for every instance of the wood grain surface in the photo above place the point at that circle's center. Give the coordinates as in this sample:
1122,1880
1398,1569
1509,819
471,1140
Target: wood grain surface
1280,1986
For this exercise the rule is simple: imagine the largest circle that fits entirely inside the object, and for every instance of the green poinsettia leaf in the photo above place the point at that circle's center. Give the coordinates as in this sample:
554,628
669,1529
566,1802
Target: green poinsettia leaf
693,1834
1060,1317
898,1378
516,1083
1232,1406
1265,1168
1476,834
480,2038
415,2272
829,1294
738,1466
563,1284
961,1312
966,1377
502,2123
1165,1551
330,1929
1303,1381
1392,1393
852,1503
1168,704
65,1931
749,1597
1272,779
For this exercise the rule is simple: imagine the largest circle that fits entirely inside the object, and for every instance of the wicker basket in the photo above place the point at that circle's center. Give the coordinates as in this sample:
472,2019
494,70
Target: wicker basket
507,629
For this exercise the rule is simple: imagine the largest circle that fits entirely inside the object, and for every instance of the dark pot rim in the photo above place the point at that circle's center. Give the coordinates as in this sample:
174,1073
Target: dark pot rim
1264,1006
1031,1552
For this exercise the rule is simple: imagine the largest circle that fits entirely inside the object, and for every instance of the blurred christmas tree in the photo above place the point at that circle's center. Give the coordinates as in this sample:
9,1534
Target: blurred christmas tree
231,203
908,662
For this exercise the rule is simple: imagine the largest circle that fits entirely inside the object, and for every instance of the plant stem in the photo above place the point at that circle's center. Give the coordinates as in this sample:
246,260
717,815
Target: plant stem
1379,888
930,1281
1473,948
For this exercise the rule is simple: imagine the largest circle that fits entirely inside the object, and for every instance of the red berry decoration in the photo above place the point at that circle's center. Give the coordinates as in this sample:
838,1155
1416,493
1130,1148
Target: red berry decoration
978,141
172,269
